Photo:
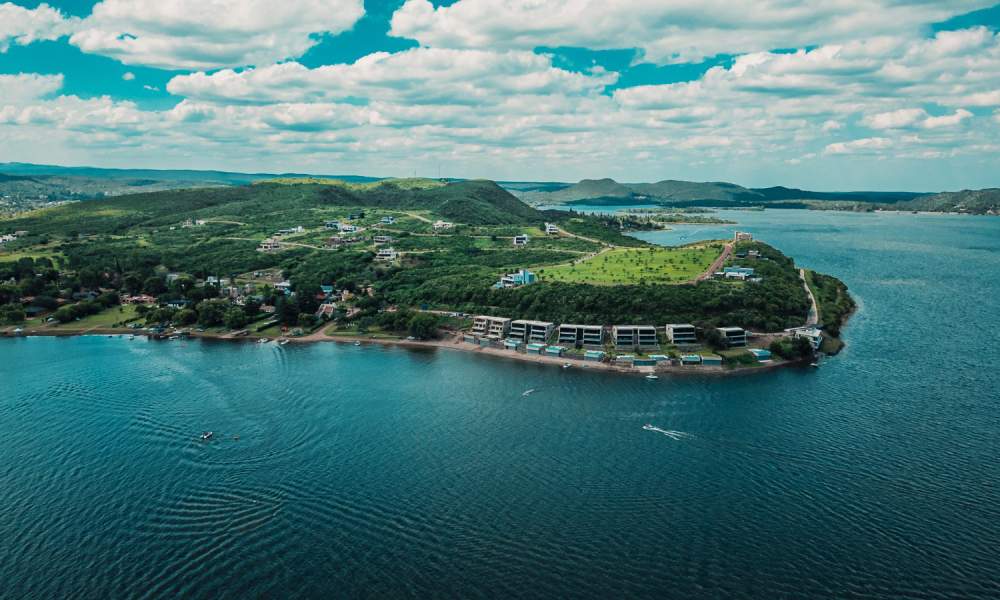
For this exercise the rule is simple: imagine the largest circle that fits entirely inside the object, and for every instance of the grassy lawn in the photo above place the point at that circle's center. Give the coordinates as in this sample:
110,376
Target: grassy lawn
112,317
49,252
630,266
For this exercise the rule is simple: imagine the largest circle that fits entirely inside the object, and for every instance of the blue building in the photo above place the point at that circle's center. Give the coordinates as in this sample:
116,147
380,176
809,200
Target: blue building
510,280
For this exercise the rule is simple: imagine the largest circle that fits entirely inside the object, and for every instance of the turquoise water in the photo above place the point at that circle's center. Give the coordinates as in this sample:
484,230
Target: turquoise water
382,472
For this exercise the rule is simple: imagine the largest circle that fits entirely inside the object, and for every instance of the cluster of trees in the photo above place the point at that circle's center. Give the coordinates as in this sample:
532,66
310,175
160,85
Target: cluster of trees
792,349
835,304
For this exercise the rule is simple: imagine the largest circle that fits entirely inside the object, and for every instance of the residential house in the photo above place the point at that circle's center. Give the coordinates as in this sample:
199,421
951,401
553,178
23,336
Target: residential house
269,245
711,360
521,240
389,220
681,334
285,287
551,229
510,280
327,309
634,336
334,225
690,359
490,327
735,337
386,254
438,225
530,331
382,239
813,334
593,355
743,236
760,354
348,228
584,335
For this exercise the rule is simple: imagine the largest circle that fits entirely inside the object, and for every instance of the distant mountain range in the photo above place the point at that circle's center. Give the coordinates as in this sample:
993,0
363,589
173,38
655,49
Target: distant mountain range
688,193
22,181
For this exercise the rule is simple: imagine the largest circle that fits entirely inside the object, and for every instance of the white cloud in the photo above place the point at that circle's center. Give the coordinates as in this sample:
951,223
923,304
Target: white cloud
896,119
860,146
666,30
27,87
22,26
418,76
128,76
947,120
209,34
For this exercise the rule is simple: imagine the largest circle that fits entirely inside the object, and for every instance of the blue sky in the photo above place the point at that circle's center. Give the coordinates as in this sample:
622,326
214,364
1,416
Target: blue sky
868,94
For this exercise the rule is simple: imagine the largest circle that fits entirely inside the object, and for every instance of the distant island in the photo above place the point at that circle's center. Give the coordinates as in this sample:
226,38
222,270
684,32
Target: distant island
679,194
455,264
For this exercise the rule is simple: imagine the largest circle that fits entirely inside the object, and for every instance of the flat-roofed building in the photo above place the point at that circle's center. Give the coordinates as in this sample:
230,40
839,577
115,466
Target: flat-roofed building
735,337
681,334
382,239
585,335
530,331
269,245
743,236
521,240
494,328
634,336
386,254
551,229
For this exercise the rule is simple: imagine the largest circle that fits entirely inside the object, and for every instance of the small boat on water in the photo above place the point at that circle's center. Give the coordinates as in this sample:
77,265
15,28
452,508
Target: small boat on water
207,435
814,365
567,365
175,337
357,342
651,377
131,337
263,341
649,427
282,342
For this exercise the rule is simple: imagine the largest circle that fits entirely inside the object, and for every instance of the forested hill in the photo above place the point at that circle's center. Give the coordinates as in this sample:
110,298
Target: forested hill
470,202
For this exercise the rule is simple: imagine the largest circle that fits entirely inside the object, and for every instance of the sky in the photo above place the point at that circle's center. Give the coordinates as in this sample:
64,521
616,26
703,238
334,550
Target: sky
819,94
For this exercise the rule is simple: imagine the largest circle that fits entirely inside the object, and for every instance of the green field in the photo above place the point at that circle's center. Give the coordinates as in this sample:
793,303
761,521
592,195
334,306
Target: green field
112,317
631,266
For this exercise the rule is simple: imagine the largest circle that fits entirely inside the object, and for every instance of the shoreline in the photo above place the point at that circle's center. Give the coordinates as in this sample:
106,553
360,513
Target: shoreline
454,343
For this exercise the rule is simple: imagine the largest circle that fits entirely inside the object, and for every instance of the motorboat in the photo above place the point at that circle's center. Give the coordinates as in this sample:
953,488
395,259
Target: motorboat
651,377
649,427
357,342
567,365
282,342
207,435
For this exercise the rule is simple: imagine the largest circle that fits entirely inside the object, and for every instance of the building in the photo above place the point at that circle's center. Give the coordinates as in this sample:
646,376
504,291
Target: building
511,344
386,254
625,359
530,331
535,348
760,354
388,220
555,350
584,335
510,280
711,360
593,355
327,309
690,359
634,336
813,334
551,229
521,240
438,225
491,327
741,273
382,239
291,231
269,245
681,334
334,225
347,228
735,337
743,236
285,287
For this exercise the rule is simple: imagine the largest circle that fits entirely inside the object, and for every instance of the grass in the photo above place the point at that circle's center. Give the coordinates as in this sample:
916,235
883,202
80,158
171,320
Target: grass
112,317
631,266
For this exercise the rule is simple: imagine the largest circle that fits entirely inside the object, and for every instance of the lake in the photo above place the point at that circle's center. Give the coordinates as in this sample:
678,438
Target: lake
382,472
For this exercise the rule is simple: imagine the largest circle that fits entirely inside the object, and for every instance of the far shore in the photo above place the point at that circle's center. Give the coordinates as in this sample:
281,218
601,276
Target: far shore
454,342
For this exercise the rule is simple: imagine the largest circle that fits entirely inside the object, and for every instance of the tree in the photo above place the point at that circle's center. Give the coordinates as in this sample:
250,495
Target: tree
211,312
185,316
64,314
235,318
11,313
423,326
154,286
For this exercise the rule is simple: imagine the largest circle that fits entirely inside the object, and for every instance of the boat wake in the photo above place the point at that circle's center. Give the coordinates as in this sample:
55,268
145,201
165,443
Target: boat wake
674,435
528,392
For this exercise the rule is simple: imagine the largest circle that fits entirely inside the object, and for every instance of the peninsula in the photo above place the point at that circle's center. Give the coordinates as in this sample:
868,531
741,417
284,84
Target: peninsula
417,261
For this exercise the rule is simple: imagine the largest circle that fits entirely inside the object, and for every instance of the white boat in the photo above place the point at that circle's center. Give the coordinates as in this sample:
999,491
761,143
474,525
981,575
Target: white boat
207,435
282,342
357,343
567,365
262,341
651,377
649,427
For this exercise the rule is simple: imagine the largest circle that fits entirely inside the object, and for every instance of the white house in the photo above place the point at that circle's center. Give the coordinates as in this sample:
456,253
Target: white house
736,337
388,220
634,336
743,236
531,331
521,240
269,245
490,327
443,225
551,229
386,254
681,333
587,335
